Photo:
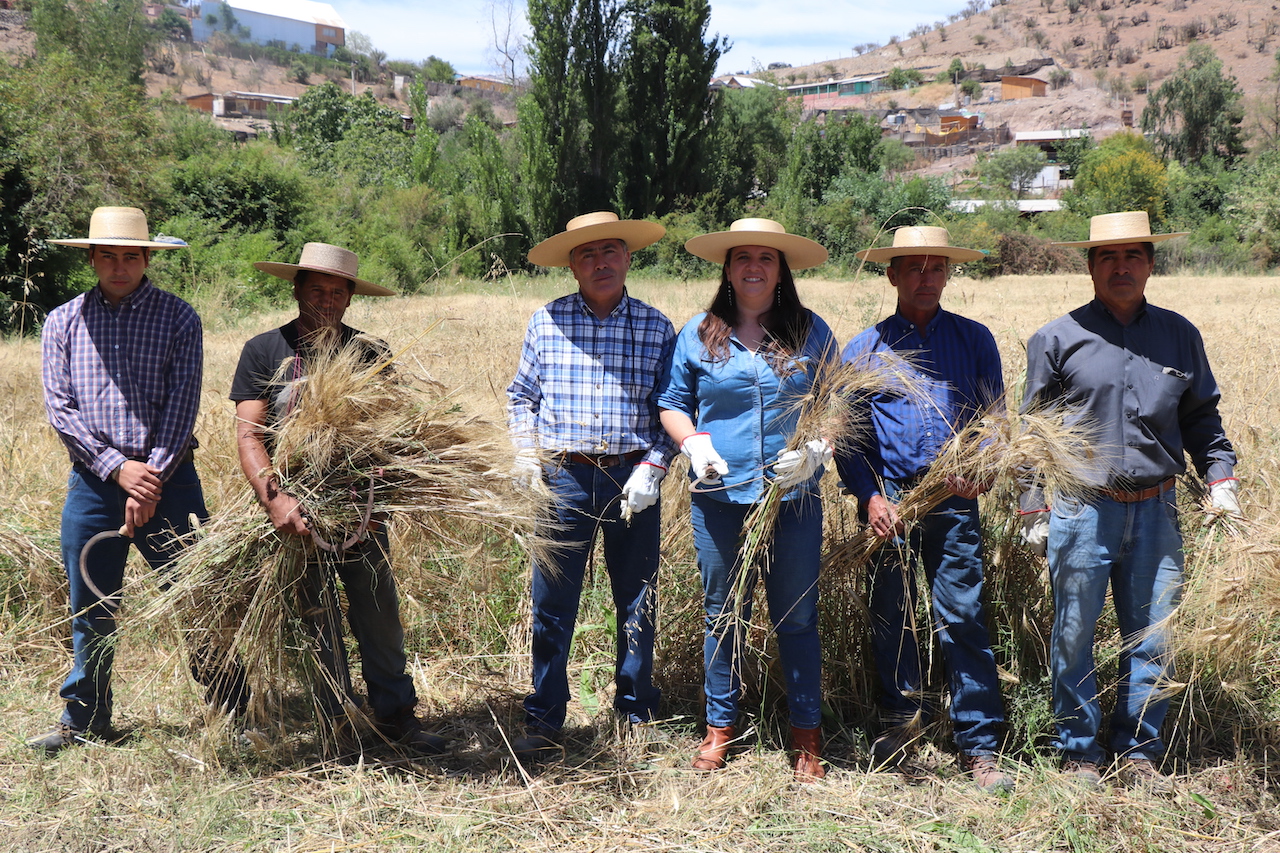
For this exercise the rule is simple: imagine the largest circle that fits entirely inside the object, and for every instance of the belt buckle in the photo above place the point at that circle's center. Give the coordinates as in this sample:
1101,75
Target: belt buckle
609,461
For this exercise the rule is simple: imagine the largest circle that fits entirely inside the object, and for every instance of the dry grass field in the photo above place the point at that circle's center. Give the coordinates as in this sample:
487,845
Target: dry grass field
180,781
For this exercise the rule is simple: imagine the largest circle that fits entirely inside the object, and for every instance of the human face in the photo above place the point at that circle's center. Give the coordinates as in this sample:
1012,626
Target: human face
1120,274
754,272
322,300
120,269
601,268
919,280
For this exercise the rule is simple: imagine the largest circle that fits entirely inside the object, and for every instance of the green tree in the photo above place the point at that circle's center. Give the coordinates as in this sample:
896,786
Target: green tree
1121,173
112,39
816,156
666,69
437,70
747,148
903,78
1015,168
1197,111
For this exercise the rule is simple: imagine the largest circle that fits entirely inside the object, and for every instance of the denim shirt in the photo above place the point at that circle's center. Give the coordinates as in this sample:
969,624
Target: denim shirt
747,408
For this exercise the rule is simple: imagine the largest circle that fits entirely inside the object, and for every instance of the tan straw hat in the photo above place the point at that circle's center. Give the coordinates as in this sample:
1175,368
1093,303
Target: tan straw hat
932,240
801,252
331,260
589,227
121,226
1132,226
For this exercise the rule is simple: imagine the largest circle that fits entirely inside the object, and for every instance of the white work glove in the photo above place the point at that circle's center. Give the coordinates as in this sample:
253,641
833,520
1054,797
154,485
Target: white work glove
796,466
527,470
1225,495
1035,532
707,465
642,489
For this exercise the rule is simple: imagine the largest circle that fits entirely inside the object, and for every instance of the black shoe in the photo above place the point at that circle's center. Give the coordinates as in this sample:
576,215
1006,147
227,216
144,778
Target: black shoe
59,738
538,744
406,729
893,747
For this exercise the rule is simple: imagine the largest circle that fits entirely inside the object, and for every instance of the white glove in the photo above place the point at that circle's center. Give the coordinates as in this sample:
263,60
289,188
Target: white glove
1035,532
707,465
1225,495
527,469
642,489
796,466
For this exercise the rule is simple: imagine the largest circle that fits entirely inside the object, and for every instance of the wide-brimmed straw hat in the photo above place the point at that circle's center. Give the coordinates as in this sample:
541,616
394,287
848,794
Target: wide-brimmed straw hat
1131,226
121,226
931,240
801,252
589,227
331,260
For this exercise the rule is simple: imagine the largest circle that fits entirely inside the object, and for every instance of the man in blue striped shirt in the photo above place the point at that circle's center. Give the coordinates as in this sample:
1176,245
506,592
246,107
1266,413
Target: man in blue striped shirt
583,416
960,367
121,368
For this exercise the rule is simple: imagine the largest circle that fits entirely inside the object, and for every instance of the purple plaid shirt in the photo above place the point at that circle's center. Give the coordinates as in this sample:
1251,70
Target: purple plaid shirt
123,383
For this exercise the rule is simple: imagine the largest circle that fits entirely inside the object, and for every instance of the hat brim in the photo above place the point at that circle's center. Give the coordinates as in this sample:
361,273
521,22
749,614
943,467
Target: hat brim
801,252
1115,241
85,243
636,233
289,272
951,253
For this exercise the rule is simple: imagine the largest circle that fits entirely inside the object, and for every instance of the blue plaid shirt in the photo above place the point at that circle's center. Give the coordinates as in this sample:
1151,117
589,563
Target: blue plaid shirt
123,383
587,385
960,365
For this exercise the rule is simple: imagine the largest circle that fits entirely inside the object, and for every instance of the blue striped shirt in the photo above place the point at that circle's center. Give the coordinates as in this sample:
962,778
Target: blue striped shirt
123,383
960,365
586,385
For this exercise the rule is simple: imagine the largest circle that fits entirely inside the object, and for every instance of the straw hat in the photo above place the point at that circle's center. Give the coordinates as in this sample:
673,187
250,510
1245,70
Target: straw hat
801,252
589,227
332,260
931,240
121,226
1132,226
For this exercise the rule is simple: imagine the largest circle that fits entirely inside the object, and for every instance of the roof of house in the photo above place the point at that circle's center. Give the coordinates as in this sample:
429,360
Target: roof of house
740,81
295,10
1048,135
1024,205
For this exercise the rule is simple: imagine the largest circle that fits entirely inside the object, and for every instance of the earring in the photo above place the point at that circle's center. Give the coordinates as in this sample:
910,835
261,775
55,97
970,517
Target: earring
777,293
729,288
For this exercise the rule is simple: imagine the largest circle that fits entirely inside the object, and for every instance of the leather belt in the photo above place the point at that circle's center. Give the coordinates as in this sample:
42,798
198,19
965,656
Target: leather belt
603,461
1124,497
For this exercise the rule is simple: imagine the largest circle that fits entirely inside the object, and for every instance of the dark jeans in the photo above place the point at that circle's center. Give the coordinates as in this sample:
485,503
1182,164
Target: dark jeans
948,543
587,501
94,506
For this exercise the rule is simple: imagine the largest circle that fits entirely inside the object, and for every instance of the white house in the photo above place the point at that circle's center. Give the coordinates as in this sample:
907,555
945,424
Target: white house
302,24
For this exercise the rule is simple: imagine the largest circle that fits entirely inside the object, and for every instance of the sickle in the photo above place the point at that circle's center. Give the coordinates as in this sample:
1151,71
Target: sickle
111,601
356,537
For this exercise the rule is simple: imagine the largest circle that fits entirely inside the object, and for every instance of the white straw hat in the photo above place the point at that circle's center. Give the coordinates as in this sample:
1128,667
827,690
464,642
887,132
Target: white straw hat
932,240
328,259
1131,226
801,252
589,227
120,226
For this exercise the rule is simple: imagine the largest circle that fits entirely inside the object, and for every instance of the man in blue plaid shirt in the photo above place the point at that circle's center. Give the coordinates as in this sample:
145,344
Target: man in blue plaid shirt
122,368
959,366
585,423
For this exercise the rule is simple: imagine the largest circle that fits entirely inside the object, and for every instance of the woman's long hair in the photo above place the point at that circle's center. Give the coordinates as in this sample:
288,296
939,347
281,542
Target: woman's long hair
787,323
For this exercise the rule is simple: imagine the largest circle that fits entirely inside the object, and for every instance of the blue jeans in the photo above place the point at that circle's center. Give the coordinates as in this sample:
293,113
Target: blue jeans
587,500
1137,548
373,611
791,589
948,543
93,506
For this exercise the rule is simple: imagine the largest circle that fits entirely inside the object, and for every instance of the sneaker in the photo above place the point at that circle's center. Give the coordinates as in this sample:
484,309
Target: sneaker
57,739
986,773
893,747
1084,772
407,730
538,744
1143,773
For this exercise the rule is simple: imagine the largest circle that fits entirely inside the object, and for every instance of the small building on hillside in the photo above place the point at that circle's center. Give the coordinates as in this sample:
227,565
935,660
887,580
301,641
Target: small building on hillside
1056,175
240,104
485,83
827,94
1012,88
299,24
737,81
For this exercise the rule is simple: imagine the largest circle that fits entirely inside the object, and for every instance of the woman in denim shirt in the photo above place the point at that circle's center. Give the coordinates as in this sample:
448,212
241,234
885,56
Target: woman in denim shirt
731,401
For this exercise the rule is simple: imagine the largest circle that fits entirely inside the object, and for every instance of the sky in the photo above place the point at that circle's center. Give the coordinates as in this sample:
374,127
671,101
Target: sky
797,32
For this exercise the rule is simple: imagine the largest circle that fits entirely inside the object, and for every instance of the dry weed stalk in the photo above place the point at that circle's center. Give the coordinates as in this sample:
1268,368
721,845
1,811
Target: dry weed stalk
361,444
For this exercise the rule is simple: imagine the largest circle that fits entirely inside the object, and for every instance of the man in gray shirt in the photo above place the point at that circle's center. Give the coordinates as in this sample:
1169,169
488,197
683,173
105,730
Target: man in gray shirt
1140,375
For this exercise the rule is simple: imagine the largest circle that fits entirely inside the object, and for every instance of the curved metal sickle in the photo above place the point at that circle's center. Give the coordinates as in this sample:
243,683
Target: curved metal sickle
359,535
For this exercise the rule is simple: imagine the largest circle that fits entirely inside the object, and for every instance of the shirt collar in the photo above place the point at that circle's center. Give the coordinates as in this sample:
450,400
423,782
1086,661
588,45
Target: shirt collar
905,325
139,296
1101,307
583,308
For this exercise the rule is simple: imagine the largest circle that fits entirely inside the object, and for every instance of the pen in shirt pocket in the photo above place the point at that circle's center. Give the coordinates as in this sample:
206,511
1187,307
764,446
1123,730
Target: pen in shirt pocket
1174,372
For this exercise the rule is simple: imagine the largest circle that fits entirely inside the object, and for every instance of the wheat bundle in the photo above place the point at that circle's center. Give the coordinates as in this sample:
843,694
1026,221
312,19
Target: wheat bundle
363,445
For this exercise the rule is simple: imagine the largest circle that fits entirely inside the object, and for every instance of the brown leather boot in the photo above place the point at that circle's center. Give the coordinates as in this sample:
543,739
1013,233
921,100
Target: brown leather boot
807,763
713,749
